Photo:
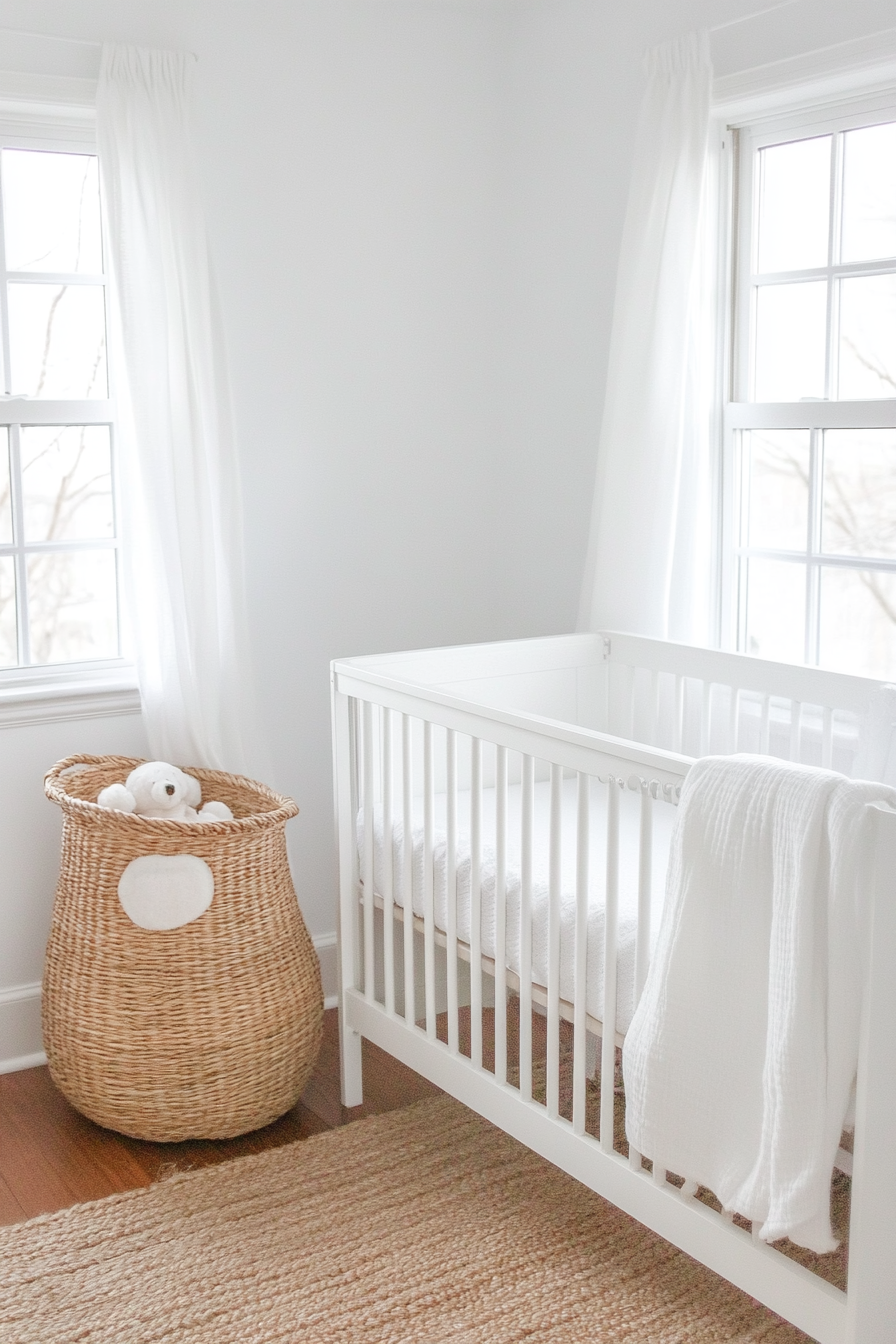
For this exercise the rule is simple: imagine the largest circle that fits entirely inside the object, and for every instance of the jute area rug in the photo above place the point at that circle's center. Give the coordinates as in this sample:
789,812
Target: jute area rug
424,1225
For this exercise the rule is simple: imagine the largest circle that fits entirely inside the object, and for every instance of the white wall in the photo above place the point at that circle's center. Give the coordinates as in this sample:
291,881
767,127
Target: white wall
349,154
358,251
414,209
30,830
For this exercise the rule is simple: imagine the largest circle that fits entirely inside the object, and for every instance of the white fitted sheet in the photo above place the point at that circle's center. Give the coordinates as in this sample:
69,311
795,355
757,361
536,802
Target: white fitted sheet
629,835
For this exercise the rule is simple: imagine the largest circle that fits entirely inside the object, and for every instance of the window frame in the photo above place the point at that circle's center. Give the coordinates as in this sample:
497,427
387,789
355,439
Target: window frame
89,688
744,136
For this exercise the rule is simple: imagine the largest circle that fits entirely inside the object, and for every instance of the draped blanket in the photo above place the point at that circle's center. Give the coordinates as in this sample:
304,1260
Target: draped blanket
741,1057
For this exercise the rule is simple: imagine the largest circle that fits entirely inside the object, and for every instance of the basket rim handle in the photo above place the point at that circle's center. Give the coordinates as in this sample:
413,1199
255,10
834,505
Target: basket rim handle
55,790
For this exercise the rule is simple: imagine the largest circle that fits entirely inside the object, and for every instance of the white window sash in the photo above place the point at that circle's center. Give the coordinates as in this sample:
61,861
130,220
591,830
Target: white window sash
813,95
56,113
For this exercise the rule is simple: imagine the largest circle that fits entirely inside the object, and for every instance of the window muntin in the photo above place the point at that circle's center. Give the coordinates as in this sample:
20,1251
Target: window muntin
59,601
811,429
823,267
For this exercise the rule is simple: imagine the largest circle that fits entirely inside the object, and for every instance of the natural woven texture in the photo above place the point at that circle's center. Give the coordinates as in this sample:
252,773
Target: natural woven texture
423,1226
204,1031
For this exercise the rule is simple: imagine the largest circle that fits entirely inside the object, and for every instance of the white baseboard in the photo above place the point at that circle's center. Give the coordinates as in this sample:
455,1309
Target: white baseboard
325,946
23,1062
21,1040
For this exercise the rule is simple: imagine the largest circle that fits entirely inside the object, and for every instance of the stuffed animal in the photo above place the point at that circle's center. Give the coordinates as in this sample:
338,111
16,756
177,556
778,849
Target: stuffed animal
156,789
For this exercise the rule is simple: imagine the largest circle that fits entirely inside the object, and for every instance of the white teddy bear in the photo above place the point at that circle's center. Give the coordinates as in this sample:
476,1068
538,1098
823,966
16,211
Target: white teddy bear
157,789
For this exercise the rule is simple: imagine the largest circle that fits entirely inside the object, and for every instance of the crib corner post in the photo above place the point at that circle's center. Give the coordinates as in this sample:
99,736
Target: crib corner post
351,1074
871,1296
348,932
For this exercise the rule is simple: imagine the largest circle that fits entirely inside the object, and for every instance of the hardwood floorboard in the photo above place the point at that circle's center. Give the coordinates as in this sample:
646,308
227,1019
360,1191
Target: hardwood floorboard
90,1161
30,1173
160,1159
52,1157
11,1210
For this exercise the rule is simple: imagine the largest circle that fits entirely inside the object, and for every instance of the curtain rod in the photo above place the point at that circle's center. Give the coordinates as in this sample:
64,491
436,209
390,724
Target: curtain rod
745,18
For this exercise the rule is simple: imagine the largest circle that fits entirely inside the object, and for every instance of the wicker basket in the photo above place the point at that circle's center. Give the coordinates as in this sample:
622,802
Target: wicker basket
203,1031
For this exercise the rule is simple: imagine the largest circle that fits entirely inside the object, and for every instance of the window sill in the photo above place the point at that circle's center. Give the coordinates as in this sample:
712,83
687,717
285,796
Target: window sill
91,696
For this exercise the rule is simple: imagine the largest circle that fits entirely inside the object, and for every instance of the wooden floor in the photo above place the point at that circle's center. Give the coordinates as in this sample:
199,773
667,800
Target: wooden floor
51,1157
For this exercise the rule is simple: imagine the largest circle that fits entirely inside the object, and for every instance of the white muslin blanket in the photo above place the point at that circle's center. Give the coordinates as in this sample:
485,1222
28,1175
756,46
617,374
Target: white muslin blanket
741,1056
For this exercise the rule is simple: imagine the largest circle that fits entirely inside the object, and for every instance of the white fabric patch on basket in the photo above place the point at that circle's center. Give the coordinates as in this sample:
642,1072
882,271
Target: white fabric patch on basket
164,891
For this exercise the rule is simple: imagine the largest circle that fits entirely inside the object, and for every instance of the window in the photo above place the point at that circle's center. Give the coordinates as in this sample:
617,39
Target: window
811,428
58,537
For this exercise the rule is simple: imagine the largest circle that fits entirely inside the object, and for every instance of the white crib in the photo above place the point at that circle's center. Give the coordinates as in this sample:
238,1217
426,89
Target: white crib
536,780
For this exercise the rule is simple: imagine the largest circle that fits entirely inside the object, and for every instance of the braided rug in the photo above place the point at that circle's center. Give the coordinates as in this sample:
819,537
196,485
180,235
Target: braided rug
424,1226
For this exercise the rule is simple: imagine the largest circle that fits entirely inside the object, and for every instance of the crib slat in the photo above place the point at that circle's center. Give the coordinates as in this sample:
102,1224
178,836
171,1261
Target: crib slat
388,892
605,697
429,925
476,903
555,859
654,709
367,872
581,956
705,718
645,880
630,704
827,739
407,867
733,718
526,830
678,714
608,1043
501,916
796,723
642,935
764,726
451,884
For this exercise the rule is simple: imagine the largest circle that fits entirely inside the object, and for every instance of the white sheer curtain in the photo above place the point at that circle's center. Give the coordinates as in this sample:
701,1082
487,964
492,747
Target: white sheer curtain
650,552
180,485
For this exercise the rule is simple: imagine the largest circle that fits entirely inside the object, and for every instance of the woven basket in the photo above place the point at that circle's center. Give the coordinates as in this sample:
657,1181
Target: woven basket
205,1031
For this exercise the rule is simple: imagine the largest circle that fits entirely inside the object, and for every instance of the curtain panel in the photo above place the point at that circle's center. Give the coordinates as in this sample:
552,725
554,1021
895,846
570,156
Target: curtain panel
182,534
649,563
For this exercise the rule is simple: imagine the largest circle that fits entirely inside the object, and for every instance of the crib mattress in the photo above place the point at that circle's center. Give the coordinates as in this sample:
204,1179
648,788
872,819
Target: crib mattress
663,816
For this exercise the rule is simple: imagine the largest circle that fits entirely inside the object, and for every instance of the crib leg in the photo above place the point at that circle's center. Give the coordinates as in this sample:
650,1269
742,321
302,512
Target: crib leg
345,787
871,1294
351,1072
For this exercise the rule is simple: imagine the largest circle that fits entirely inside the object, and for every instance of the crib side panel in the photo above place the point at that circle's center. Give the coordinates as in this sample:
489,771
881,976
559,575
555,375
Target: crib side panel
677,697
512,871
705,701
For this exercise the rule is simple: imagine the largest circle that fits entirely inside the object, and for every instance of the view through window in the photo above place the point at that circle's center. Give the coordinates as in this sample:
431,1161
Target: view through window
813,424
58,542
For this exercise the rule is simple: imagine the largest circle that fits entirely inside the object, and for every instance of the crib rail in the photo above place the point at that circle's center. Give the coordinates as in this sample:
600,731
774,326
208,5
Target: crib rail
472,841
673,697
700,701
568,745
